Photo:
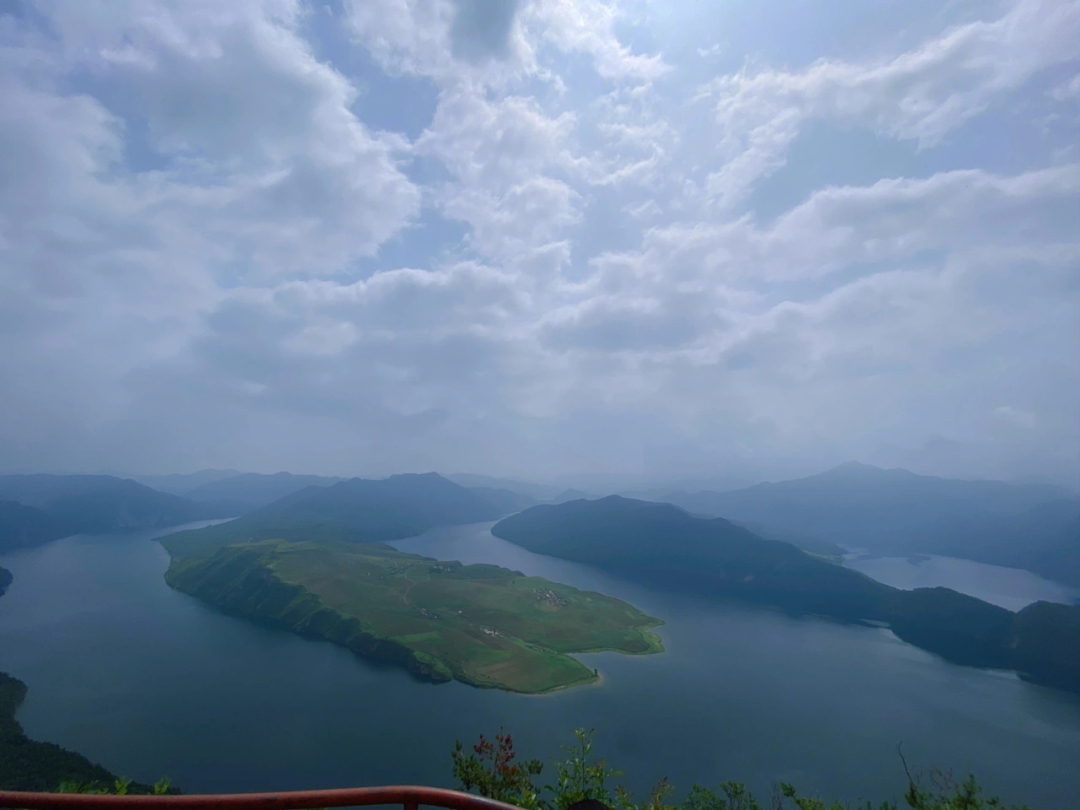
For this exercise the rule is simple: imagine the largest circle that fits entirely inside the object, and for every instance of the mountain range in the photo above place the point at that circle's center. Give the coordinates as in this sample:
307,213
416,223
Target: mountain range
1031,526
359,510
35,509
248,491
183,483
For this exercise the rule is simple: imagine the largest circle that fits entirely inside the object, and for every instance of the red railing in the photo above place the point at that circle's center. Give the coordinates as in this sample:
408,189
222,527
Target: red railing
410,796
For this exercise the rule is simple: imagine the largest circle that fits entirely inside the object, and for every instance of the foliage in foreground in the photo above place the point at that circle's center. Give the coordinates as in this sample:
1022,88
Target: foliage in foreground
119,787
493,770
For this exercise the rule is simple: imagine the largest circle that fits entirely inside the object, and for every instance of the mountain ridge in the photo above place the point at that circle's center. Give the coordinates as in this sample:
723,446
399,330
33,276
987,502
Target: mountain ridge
664,546
35,509
255,490
898,511
354,510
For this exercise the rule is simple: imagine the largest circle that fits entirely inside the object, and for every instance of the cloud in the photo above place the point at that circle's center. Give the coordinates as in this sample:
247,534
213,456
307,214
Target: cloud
920,95
588,26
259,169
481,29
208,257
1067,89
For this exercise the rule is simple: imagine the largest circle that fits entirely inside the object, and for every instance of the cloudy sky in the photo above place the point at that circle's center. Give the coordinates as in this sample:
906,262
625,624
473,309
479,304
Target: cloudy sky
533,238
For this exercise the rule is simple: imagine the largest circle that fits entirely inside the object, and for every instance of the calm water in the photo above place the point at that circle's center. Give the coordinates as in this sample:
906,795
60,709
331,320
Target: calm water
148,682
1008,587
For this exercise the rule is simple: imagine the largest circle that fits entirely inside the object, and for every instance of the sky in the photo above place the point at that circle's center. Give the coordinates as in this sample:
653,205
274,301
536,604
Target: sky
537,238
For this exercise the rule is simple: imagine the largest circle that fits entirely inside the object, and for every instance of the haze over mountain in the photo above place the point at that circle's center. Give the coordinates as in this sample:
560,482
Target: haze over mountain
358,510
531,489
571,494
182,483
37,508
1033,526
252,490
505,501
1044,539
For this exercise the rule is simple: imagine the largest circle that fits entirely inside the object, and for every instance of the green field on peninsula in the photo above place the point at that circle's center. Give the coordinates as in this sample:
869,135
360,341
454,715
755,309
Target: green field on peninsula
480,624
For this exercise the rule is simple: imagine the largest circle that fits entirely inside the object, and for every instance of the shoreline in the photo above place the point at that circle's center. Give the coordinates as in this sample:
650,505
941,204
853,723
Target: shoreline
327,623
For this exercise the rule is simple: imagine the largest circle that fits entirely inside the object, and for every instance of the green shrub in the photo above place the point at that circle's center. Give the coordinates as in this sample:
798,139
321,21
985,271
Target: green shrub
492,770
119,787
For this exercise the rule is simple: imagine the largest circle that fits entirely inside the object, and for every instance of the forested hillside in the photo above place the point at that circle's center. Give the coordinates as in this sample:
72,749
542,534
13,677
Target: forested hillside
666,547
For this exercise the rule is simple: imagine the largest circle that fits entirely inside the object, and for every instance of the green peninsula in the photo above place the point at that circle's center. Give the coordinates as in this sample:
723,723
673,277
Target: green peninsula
480,624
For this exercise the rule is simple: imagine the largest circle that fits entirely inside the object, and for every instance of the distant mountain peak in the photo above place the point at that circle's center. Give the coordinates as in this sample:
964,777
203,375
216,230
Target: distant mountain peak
572,494
856,469
855,466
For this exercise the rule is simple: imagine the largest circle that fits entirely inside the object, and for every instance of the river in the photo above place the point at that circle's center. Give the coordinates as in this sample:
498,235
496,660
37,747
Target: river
151,682
1008,587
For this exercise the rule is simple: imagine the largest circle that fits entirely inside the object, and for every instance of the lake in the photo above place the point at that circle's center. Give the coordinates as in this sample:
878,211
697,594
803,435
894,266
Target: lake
1008,587
151,682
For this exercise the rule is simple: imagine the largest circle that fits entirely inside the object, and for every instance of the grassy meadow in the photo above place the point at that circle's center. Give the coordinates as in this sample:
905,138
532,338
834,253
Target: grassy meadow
482,624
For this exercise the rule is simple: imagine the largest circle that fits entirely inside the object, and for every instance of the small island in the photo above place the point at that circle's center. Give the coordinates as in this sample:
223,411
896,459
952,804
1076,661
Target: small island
479,624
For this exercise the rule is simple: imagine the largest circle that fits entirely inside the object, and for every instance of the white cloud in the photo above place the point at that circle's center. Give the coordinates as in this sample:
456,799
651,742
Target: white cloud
1067,89
410,36
484,142
198,229
260,169
588,26
921,95
417,36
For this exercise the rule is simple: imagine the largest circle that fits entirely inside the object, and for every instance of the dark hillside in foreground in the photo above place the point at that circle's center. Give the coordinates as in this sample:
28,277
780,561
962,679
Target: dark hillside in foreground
357,510
35,509
1033,526
665,547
